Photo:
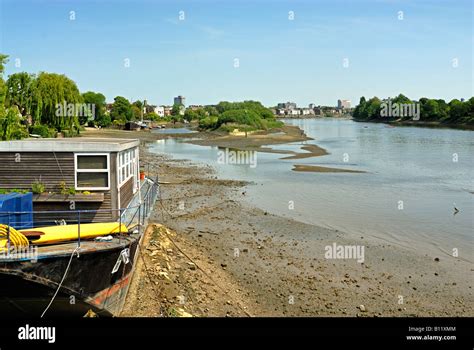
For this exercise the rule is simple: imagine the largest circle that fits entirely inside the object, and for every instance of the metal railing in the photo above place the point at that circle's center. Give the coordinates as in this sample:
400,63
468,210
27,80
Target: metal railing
135,215
138,213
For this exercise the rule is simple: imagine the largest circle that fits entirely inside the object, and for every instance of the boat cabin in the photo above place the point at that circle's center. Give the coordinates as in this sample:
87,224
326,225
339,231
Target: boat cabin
67,176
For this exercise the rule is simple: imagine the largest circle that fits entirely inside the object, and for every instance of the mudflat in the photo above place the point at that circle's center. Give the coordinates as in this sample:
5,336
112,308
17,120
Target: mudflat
213,254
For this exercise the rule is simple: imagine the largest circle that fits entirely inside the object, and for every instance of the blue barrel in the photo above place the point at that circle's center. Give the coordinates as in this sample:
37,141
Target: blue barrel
16,210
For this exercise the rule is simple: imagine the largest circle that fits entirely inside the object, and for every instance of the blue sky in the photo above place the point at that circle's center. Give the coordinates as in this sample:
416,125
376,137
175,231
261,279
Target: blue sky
280,59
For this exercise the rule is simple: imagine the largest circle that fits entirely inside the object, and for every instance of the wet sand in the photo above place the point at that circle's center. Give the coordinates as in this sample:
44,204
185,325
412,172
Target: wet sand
311,151
218,256
322,169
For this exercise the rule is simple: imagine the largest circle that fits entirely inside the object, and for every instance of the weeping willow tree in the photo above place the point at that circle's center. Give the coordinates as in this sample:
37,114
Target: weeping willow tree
39,96
49,91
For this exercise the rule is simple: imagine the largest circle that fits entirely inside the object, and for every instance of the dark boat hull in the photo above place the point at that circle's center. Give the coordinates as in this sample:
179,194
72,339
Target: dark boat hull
27,287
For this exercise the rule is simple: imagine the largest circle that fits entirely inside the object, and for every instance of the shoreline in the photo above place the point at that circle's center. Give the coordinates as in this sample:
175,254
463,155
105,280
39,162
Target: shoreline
280,268
422,124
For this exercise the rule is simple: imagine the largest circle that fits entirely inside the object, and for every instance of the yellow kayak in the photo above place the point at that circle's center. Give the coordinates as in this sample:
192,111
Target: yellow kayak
61,233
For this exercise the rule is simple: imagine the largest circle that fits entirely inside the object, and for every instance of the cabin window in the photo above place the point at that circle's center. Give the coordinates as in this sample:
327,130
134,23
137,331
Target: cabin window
128,167
92,172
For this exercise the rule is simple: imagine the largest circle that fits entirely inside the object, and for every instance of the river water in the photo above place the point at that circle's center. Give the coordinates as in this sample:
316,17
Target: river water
414,178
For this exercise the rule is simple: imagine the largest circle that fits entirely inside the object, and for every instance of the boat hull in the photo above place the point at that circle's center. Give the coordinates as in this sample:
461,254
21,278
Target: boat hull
93,282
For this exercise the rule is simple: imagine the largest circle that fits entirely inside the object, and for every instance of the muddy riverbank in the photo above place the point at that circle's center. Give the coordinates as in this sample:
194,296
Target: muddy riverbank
218,256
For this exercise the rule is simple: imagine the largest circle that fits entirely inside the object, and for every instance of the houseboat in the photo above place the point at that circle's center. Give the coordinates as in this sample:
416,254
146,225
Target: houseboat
74,252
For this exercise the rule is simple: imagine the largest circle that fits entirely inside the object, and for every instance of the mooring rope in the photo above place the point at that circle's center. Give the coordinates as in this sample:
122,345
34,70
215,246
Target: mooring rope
62,280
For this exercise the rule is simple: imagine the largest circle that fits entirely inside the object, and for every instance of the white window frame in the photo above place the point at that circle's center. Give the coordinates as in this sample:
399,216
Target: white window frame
76,171
127,167
136,170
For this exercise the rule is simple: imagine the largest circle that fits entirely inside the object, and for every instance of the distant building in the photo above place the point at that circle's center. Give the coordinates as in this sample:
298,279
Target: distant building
280,111
311,105
287,105
306,111
149,109
160,110
167,110
180,100
343,104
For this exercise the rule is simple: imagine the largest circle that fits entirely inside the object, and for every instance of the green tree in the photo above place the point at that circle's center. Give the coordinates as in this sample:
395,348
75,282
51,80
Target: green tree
3,62
21,92
211,111
373,108
3,88
98,101
470,110
50,92
136,112
443,109
152,116
137,109
11,127
360,110
202,113
457,111
241,117
246,115
224,106
401,99
209,122
43,131
121,109
429,109
104,121
139,104
176,110
189,115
